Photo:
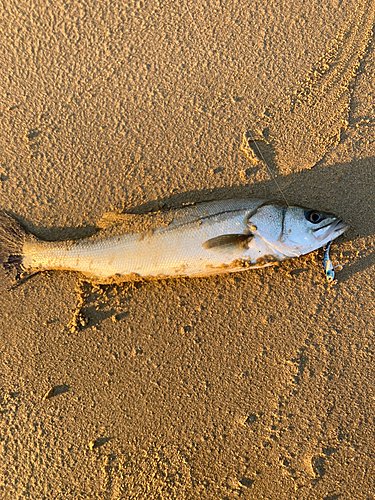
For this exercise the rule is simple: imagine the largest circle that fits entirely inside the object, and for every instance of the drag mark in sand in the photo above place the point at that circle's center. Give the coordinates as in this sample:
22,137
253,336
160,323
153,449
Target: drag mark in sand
302,129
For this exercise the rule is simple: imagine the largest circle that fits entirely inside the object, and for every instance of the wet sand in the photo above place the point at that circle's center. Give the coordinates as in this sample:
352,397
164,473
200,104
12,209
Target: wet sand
254,385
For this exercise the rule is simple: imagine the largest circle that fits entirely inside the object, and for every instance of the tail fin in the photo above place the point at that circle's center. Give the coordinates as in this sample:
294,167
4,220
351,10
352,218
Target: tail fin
12,238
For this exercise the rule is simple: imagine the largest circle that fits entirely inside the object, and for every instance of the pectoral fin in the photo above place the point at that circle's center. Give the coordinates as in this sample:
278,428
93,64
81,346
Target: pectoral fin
228,243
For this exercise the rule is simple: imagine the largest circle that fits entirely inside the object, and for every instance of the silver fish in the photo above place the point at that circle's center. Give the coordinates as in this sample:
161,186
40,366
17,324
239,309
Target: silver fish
198,240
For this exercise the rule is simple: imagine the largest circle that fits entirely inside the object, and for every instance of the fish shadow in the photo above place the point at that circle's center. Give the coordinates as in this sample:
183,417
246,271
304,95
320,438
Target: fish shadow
358,266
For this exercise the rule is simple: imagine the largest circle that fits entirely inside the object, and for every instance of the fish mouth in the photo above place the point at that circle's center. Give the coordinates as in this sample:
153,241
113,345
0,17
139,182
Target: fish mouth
333,230
341,226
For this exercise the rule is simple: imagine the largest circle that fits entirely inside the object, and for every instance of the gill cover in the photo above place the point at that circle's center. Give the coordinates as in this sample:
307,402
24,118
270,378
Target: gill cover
292,231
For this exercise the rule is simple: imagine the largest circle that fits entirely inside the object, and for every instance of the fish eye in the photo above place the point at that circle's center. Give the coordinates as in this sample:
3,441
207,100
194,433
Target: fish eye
314,217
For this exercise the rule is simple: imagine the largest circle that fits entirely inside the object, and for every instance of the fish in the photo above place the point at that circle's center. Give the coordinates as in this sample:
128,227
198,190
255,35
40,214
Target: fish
197,240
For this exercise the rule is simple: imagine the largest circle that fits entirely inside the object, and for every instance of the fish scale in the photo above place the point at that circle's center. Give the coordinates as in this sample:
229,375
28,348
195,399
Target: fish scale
170,251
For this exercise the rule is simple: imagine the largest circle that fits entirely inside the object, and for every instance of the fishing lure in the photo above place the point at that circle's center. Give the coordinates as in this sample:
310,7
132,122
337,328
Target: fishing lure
329,268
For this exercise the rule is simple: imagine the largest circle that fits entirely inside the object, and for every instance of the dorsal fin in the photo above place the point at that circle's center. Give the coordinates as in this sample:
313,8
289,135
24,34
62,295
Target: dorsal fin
110,219
134,223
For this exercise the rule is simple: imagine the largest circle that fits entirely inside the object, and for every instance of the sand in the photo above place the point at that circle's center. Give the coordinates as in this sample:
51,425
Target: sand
259,385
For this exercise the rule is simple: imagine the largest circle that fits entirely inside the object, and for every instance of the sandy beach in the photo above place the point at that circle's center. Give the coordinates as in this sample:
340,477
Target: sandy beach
255,385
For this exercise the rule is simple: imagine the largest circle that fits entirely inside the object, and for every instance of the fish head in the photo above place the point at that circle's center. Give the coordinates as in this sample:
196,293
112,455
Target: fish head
292,231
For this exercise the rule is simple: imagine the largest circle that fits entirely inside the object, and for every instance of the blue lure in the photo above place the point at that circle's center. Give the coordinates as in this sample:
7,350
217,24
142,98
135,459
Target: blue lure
329,268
